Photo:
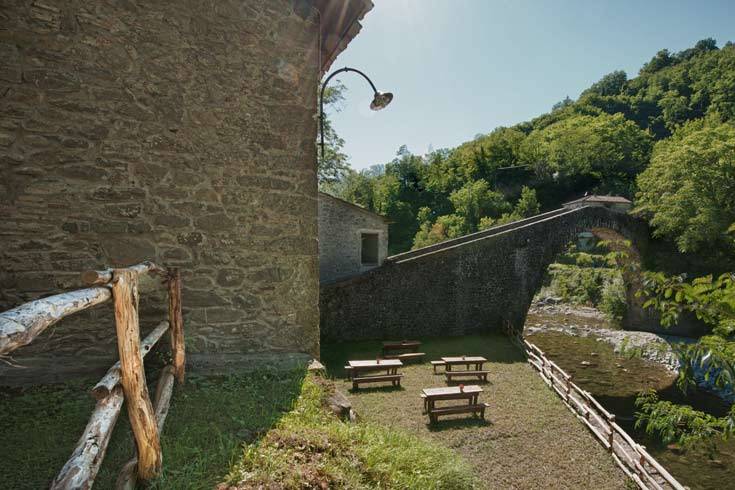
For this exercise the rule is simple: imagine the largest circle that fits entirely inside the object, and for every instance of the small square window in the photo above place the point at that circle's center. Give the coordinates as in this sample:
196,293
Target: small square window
369,249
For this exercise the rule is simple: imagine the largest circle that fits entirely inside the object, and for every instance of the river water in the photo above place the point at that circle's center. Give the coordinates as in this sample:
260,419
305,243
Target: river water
583,343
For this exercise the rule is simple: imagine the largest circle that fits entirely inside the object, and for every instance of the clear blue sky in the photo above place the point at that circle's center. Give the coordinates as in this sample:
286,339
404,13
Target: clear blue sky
462,67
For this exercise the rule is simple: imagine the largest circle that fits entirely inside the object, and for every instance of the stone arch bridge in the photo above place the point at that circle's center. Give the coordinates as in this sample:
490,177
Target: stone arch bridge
477,283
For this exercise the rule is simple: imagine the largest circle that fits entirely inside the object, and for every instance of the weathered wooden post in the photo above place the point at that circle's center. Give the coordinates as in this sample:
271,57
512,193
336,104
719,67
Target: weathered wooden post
611,423
140,409
176,319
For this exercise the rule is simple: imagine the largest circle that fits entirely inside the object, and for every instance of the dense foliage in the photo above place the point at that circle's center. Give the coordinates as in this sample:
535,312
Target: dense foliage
712,358
333,163
643,135
688,191
680,423
588,278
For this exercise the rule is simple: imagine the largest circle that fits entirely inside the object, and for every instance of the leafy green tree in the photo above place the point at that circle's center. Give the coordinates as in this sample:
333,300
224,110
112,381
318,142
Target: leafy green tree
527,204
444,228
476,200
611,84
605,152
334,164
712,300
661,60
687,191
357,187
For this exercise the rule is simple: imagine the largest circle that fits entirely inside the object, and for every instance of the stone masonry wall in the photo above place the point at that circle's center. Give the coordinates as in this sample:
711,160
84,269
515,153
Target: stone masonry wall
340,227
476,286
180,131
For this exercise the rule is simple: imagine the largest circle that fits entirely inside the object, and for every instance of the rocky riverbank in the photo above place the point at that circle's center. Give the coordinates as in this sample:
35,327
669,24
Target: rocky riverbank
549,315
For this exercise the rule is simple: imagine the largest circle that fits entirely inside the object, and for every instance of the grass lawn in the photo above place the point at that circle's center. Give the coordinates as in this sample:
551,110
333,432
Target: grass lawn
530,439
311,448
209,419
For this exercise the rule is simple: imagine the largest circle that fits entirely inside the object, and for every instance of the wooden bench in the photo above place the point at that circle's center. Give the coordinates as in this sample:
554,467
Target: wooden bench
436,364
408,356
474,409
395,379
480,375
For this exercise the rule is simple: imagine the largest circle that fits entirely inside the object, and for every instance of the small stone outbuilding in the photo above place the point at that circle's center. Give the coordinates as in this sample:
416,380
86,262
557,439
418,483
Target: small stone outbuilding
352,240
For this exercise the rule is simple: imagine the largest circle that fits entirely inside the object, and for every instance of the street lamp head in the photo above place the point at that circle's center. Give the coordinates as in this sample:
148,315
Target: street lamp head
381,100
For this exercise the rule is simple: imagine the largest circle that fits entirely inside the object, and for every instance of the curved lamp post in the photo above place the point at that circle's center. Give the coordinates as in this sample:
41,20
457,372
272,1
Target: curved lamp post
380,99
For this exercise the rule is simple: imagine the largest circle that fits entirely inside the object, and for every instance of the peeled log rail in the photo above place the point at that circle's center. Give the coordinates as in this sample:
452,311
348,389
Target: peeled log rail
177,323
81,469
629,455
93,277
140,409
19,326
127,478
112,378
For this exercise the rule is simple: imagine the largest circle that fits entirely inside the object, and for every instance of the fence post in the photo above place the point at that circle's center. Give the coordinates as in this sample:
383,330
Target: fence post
140,409
176,319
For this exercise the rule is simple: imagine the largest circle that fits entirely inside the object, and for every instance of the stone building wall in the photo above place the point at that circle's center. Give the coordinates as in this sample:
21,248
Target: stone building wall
180,131
341,225
464,286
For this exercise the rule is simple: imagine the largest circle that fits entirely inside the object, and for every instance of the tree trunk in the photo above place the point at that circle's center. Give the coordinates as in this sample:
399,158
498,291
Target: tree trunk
19,326
140,410
81,469
177,324
112,378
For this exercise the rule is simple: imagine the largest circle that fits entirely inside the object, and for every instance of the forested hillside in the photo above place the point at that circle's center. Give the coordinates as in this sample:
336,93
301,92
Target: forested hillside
665,138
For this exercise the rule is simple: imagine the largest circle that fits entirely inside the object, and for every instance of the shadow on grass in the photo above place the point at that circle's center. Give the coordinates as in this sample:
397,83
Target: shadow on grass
469,381
377,389
453,424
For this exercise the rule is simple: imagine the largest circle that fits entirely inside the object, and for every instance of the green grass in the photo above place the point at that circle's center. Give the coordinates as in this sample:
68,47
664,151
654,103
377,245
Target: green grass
209,419
311,448
529,440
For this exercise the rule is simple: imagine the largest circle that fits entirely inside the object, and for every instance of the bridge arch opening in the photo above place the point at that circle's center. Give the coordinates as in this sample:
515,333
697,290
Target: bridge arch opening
591,283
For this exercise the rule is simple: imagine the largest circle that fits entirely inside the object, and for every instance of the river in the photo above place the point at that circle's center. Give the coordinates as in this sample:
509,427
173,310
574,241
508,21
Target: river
583,343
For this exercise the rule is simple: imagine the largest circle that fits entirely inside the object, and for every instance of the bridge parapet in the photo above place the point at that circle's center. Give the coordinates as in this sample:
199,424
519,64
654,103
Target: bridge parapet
476,283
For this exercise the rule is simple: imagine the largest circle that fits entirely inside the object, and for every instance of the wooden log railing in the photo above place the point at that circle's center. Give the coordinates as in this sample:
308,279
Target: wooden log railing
633,458
125,381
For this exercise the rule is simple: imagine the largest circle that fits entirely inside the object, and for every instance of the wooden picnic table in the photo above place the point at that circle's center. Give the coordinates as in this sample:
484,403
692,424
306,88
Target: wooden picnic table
468,361
358,371
469,393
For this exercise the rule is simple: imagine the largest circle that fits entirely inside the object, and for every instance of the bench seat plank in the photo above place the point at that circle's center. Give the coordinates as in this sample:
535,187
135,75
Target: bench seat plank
395,379
474,409
460,374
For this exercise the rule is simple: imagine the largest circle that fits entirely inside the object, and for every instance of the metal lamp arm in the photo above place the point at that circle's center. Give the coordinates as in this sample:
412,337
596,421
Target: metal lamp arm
321,99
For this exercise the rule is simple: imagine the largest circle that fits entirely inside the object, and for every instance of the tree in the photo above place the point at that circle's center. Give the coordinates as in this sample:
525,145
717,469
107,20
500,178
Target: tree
712,300
527,204
476,200
611,84
661,60
605,152
687,191
334,164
